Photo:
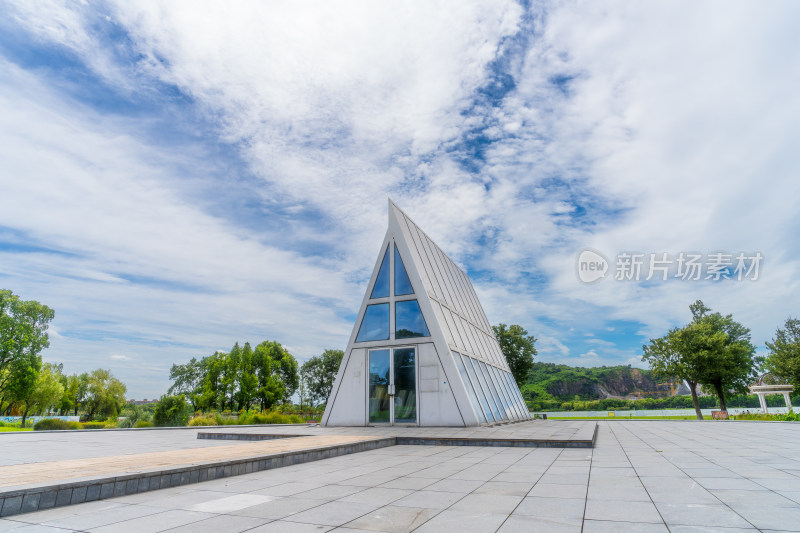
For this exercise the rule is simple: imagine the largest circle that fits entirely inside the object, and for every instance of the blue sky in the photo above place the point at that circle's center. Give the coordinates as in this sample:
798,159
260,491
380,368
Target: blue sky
180,176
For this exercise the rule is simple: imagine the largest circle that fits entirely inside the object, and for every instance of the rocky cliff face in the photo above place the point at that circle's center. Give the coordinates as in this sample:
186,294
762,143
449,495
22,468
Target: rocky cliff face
628,383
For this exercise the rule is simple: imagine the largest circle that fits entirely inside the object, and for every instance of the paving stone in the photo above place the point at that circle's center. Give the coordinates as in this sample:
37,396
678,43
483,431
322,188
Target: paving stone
605,526
531,524
462,522
335,513
393,519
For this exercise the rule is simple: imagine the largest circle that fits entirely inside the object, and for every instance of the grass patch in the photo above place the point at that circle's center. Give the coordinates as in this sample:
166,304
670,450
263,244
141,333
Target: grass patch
12,428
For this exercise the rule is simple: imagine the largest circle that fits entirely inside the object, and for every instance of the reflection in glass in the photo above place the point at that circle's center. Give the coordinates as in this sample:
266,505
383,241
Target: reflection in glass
379,386
405,386
509,394
478,388
501,390
522,405
381,288
485,387
409,321
375,326
402,285
473,398
488,377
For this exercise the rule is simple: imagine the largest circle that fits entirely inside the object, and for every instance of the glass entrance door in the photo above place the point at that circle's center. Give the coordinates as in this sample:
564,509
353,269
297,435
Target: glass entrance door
392,386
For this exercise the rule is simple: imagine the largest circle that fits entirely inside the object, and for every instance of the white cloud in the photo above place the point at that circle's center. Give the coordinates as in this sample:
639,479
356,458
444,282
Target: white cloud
675,132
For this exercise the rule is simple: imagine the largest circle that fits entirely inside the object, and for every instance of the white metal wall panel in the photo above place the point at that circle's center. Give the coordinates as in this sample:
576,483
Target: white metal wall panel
349,405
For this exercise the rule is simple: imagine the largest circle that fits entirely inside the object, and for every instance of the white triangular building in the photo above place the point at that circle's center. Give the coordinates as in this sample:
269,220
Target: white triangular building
422,352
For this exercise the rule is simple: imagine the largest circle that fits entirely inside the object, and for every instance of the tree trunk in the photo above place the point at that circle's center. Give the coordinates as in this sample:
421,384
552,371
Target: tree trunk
693,388
721,395
24,416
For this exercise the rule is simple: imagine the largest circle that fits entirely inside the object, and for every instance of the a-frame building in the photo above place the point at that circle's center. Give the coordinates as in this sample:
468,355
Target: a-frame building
422,351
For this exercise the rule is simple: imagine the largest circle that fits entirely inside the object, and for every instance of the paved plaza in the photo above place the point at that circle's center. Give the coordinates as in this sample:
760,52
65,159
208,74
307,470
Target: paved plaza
640,476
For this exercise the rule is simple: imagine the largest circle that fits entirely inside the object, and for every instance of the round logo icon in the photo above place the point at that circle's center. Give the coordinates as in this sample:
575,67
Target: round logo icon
591,266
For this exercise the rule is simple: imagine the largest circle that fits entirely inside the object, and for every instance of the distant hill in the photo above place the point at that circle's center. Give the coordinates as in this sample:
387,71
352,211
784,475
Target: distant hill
550,382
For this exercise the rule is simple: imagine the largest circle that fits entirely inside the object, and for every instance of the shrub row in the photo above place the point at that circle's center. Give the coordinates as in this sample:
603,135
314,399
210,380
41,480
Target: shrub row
788,417
246,418
54,424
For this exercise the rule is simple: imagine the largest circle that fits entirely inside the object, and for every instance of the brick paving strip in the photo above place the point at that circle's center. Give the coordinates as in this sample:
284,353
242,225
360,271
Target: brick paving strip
36,486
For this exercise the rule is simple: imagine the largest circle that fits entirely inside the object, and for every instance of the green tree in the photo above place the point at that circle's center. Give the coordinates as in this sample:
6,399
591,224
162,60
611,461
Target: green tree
712,350
518,348
105,395
229,378
78,390
783,360
171,411
247,381
188,380
276,372
722,346
23,335
47,392
319,373
670,356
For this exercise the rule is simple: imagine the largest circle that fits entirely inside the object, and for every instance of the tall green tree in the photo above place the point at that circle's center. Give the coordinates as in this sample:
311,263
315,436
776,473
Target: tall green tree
519,349
188,380
671,356
319,373
23,335
230,375
76,390
235,380
723,347
783,359
276,372
211,383
47,392
712,350
105,395
247,381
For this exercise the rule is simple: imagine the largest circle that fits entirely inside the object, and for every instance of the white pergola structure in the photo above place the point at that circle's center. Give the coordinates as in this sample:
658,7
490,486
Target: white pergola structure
422,351
763,390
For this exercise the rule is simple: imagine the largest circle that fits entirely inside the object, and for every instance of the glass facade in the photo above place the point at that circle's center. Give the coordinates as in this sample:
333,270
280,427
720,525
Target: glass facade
392,387
405,386
379,375
409,321
375,326
490,386
402,285
491,391
473,398
485,387
502,403
478,389
381,288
